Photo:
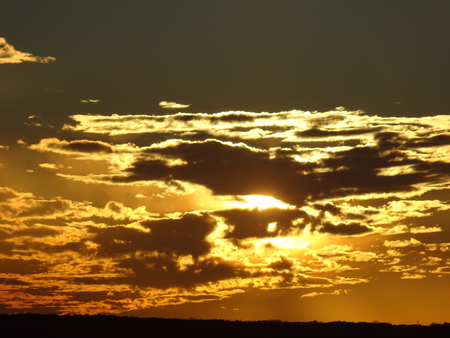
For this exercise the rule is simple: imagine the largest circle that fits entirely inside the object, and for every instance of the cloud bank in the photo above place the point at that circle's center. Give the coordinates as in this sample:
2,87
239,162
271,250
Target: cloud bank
181,208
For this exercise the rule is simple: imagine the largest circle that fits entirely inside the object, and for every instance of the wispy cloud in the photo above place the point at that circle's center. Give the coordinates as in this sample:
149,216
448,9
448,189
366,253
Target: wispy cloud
315,294
90,101
172,105
8,54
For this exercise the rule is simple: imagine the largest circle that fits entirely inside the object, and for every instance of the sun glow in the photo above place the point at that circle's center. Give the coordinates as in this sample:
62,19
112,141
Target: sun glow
263,202
287,243
272,227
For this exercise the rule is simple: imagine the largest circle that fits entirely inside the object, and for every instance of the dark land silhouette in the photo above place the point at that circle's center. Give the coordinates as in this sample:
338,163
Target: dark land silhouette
40,325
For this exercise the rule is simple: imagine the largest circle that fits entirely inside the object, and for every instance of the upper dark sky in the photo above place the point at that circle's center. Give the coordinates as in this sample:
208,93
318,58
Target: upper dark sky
384,57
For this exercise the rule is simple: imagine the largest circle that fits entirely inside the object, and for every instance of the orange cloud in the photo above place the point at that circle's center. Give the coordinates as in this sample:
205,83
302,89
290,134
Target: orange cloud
165,210
8,54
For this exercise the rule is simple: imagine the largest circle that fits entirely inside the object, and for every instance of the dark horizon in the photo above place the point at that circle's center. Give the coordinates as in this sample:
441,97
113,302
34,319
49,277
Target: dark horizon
33,325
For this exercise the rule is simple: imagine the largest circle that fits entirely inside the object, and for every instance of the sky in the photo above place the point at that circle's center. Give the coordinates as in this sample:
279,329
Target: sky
241,160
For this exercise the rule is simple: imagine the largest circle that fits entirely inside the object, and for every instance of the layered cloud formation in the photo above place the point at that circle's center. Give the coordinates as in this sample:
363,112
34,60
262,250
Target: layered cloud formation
127,212
8,54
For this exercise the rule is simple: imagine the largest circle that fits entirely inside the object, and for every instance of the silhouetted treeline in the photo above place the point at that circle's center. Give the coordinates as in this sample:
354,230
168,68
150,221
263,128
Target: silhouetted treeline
37,325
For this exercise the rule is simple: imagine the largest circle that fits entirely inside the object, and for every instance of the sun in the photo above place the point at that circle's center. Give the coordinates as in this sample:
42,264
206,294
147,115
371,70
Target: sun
259,202
263,202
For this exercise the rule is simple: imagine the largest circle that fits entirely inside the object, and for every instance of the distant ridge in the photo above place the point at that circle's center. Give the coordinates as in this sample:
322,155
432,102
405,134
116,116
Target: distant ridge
40,325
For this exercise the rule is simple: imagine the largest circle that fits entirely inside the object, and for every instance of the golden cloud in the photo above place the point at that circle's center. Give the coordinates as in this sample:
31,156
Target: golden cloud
8,54
172,105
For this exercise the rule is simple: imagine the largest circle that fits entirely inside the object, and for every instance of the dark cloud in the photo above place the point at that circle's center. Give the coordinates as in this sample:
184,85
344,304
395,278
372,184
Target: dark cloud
228,170
147,170
233,117
114,206
166,241
13,281
87,146
283,264
327,207
254,223
186,117
438,140
238,170
197,136
83,146
357,170
29,244
349,229
317,132
183,236
163,272
435,171
389,140
21,266
327,120
45,208
35,232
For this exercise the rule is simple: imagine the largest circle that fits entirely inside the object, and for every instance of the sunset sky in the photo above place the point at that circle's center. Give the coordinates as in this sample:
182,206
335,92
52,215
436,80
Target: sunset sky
245,160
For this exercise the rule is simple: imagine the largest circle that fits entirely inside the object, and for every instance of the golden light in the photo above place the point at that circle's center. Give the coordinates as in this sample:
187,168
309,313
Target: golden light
286,243
263,202
272,227
246,202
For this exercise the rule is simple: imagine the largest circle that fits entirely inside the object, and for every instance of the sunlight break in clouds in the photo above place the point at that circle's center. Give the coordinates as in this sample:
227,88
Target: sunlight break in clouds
9,55
264,202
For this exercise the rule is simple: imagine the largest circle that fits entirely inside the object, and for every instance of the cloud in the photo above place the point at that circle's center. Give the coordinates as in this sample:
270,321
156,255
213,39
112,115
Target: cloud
412,276
255,223
90,101
82,242
127,212
402,243
17,206
315,294
424,230
80,146
9,55
352,228
172,105
442,270
332,170
183,236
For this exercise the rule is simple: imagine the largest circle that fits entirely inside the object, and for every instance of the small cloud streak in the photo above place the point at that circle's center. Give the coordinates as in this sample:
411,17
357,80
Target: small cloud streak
8,54
334,293
173,105
90,101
